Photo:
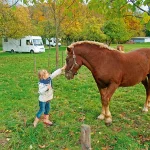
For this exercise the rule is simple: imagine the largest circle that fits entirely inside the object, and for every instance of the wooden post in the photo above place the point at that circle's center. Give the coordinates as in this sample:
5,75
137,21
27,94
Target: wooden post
86,137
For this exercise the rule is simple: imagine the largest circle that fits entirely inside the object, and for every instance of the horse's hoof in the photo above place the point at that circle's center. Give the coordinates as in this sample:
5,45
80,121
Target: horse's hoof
101,117
108,121
145,109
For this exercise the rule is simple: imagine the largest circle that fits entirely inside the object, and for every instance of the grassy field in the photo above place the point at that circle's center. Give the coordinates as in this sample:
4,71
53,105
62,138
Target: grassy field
76,102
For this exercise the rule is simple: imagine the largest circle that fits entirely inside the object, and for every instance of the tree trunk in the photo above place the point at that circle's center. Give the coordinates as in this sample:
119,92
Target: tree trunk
57,49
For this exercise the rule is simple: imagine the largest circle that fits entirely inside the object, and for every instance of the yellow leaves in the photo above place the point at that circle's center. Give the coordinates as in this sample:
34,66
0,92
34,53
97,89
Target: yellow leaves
146,18
41,18
73,28
16,23
132,23
38,15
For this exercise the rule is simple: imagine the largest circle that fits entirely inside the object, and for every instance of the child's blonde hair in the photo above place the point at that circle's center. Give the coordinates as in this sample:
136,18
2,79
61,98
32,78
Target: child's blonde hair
41,73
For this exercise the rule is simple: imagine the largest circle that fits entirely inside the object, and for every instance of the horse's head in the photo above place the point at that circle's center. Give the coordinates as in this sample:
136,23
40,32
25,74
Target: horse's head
73,63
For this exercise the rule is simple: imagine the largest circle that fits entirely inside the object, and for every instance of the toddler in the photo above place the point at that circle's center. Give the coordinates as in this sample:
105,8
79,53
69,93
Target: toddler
46,94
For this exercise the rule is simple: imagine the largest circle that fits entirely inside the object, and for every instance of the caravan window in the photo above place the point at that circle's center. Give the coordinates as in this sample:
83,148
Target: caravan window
5,39
37,42
28,42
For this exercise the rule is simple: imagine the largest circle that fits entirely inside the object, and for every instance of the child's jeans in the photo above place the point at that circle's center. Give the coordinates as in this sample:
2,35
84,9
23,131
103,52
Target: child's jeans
44,108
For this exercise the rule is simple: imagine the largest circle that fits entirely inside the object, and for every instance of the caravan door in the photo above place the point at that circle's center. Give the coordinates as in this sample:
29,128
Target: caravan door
29,45
26,45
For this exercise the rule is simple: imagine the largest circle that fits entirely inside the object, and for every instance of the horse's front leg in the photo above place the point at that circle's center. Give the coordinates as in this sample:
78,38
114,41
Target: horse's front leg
102,115
106,95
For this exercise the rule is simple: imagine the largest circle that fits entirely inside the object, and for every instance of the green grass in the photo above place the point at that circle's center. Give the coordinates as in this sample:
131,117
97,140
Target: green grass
75,102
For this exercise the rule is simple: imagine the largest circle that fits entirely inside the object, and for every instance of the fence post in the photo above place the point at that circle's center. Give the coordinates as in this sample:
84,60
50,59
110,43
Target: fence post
85,137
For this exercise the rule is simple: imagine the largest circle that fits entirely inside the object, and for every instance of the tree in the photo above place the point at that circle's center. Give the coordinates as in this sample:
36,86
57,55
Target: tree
56,12
116,31
73,23
60,9
93,30
14,22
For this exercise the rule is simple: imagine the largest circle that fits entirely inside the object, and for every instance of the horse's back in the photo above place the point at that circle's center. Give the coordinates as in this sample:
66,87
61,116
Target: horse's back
136,66
140,51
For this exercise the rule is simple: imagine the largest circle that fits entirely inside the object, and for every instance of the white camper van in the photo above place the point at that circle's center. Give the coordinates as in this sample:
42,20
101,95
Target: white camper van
53,42
32,44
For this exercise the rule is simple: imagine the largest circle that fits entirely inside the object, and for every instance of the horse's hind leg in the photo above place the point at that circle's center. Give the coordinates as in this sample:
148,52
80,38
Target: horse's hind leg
146,84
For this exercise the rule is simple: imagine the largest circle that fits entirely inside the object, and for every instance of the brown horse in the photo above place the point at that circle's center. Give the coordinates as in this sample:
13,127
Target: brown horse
111,69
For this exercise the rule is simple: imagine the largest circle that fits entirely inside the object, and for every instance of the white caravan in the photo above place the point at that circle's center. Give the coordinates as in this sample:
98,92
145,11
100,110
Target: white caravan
32,44
53,42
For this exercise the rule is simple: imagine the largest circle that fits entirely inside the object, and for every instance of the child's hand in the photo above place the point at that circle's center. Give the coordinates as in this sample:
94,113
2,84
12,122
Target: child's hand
64,67
48,86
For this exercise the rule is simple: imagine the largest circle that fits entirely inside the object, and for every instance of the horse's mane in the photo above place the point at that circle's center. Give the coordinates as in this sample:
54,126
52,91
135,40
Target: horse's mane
101,45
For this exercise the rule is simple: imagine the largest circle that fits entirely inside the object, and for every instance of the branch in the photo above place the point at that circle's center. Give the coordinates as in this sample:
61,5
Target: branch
14,4
132,16
71,4
133,2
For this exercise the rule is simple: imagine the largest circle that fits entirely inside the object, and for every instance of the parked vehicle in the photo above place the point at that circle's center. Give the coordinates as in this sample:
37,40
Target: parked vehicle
52,42
32,44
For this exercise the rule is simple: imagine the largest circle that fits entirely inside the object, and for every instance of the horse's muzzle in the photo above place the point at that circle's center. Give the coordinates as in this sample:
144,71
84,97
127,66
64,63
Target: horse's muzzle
69,75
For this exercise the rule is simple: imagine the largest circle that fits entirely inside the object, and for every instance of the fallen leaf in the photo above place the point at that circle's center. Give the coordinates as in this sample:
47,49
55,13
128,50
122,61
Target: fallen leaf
42,146
31,146
8,131
8,139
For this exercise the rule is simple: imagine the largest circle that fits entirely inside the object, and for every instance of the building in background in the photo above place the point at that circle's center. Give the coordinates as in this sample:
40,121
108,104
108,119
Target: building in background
140,39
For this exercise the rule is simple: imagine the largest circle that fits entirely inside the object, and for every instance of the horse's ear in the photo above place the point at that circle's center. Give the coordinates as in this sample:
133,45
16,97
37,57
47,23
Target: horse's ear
68,49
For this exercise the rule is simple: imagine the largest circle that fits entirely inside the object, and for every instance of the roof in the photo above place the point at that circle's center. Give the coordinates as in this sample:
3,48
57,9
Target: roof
140,37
